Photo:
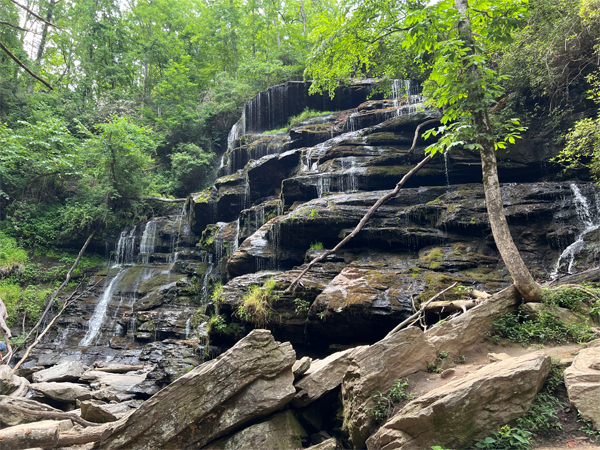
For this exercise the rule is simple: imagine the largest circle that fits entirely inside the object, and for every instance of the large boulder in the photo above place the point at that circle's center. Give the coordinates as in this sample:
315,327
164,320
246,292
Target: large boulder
66,371
375,369
582,379
11,417
11,384
463,410
249,381
281,432
117,383
323,376
470,329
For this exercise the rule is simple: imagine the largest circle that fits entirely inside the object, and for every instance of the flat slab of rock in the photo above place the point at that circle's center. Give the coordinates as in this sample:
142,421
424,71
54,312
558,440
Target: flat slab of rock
249,381
375,369
67,371
281,432
323,376
11,384
62,392
118,383
10,417
583,384
466,409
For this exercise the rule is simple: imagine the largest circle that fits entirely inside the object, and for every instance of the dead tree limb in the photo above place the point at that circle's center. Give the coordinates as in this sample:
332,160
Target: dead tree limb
2,22
52,415
41,335
34,14
416,315
48,434
64,283
371,211
457,305
27,69
162,199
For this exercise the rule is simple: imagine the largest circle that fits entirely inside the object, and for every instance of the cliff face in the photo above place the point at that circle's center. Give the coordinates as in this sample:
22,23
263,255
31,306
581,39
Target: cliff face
281,198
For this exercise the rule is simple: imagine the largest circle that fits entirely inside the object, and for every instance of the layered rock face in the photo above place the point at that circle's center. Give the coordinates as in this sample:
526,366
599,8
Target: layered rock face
180,288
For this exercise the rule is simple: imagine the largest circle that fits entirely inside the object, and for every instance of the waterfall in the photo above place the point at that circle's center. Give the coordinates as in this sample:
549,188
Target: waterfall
585,215
236,239
125,253
314,153
95,322
446,168
219,241
188,327
148,242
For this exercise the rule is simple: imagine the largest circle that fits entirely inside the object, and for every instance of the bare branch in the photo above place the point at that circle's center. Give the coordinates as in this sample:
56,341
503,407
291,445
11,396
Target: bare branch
34,14
2,22
27,69
162,199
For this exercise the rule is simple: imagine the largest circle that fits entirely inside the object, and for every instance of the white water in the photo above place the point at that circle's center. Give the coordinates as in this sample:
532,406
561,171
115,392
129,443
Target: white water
148,242
188,327
585,215
125,253
97,319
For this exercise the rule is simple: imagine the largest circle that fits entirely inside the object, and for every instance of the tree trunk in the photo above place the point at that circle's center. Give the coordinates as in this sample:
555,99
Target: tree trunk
524,282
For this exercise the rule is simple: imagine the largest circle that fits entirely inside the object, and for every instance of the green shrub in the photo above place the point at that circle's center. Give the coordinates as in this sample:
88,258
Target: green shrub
12,256
507,438
544,328
302,306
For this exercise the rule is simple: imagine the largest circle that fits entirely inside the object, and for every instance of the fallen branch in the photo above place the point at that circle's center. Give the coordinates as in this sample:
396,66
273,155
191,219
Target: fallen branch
162,199
120,368
27,69
371,211
48,434
457,305
41,335
417,315
51,415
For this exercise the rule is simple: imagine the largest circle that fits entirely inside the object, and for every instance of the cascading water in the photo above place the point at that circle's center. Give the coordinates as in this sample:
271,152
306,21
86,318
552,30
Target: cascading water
125,253
97,319
591,223
148,242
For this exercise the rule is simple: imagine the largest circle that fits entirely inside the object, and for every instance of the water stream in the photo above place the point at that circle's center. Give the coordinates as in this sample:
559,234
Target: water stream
591,223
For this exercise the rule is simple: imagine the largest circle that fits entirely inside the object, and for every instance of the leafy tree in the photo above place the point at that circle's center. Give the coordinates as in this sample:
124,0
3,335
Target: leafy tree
451,40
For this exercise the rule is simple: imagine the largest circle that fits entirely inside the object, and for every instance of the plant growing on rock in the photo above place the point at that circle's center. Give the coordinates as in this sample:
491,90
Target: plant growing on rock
385,402
256,307
302,306
316,246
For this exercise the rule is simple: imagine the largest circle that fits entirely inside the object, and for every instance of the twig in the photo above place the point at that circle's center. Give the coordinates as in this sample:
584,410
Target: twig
369,213
419,312
2,22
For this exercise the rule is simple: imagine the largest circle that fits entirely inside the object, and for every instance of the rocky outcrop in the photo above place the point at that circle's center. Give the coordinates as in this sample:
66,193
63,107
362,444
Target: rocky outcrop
582,379
468,330
200,407
375,369
11,384
323,376
282,432
455,414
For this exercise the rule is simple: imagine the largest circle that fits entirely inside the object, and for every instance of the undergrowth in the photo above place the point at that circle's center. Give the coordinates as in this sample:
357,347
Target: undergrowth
544,327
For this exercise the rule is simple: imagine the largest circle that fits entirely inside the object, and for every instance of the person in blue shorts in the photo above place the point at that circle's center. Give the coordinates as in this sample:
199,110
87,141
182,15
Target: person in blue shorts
3,348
